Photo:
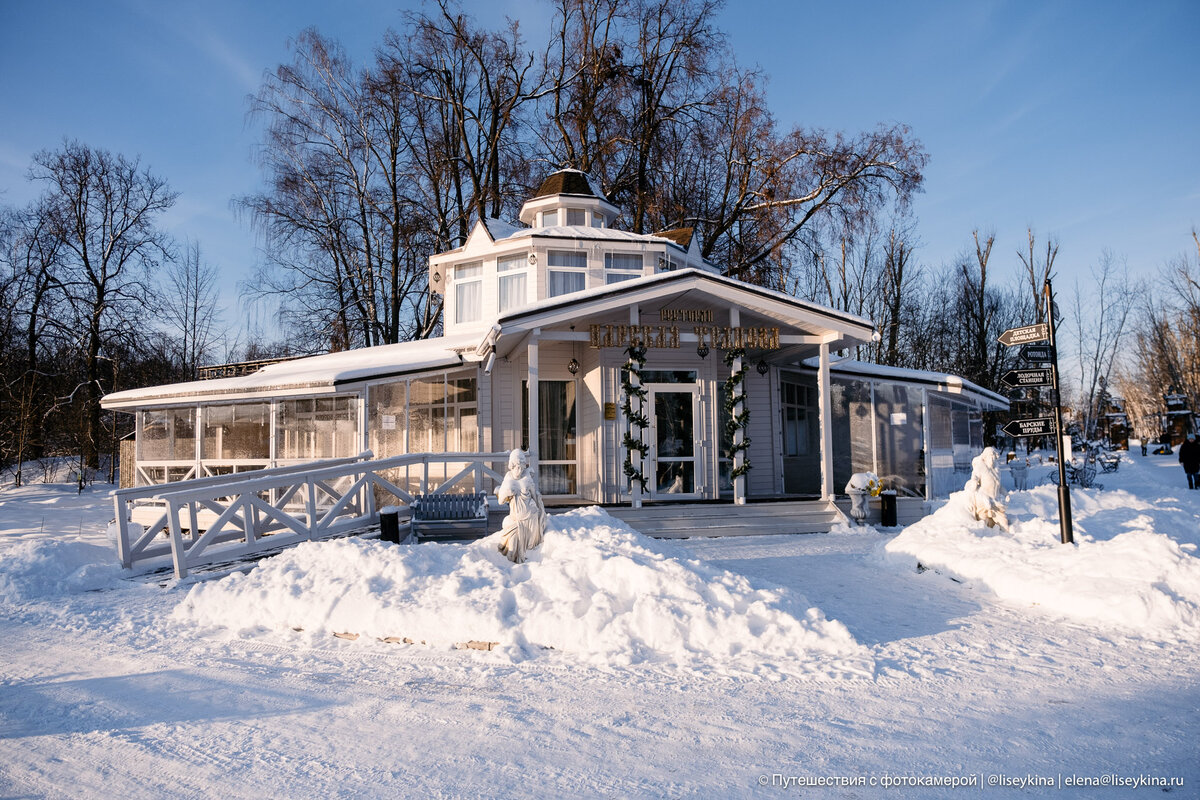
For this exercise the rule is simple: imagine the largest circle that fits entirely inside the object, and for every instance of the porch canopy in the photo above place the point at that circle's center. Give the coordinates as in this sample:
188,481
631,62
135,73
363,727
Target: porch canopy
685,311
687,299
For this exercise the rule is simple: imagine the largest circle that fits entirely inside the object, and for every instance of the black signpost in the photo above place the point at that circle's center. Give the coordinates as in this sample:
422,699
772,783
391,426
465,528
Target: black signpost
1029,338
1018,378
1037,353
1038,426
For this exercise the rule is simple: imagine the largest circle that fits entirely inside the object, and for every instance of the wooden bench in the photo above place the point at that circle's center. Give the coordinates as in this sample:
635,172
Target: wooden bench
450,516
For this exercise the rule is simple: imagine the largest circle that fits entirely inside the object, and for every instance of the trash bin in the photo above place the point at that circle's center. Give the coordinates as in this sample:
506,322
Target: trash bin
887,508
389,524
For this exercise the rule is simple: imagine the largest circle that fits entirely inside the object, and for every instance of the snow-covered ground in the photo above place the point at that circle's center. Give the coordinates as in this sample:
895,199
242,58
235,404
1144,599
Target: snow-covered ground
621,666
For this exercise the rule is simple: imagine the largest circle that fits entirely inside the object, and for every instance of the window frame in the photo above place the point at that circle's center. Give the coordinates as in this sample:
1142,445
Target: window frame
565,269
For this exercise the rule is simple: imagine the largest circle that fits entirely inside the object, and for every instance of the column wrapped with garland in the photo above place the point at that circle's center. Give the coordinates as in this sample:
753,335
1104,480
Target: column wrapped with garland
739,415
635,439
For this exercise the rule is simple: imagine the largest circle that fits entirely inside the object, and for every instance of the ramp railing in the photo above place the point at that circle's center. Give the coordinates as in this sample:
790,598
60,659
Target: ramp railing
228,517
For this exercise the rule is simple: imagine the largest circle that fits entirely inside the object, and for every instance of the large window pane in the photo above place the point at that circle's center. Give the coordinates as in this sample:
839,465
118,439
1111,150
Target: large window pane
167,434
565,282
853,446
513,292
389,419
557,435
900,437
468,292
240,431
314,428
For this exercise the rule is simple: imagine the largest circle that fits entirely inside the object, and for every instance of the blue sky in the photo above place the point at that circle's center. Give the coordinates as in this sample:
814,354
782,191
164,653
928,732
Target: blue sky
1080,119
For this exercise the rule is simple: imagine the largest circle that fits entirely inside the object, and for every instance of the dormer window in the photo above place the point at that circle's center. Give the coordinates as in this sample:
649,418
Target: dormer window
566,272
468,292
622,267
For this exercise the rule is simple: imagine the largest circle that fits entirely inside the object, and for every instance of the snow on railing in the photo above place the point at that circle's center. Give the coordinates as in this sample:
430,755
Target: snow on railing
234,516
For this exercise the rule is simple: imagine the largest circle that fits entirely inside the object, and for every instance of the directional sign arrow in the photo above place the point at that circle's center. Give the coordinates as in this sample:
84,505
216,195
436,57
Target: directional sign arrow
1029,333
1038,426
1037,352
1028,377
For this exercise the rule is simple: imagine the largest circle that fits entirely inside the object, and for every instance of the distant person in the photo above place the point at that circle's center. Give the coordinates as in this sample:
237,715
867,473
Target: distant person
1189,457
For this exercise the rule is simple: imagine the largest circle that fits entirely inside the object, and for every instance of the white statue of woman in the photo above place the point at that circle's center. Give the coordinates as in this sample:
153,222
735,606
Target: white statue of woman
525,524
984,490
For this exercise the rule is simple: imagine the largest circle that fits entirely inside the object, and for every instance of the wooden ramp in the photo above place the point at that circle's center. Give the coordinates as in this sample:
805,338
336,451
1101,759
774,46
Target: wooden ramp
683,520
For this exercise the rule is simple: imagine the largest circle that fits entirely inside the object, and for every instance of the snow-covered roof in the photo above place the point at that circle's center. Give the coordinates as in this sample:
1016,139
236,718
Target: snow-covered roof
587,232
684,275
499,229
321,374
943,381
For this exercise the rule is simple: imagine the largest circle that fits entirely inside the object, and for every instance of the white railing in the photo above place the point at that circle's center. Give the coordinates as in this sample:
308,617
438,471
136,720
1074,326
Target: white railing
226,517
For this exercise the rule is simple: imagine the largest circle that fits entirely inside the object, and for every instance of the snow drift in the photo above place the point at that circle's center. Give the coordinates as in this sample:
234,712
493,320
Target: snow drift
1122,572
597,592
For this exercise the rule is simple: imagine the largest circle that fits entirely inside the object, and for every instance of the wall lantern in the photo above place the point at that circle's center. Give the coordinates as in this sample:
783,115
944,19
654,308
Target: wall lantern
762,367
437,277
533,259
702,350
573,366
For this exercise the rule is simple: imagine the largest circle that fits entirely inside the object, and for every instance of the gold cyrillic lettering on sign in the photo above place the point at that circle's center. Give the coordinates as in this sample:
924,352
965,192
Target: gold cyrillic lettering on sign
685,315
656,336
725,338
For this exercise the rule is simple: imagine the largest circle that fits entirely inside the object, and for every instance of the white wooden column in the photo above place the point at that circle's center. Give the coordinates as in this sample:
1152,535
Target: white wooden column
637,407
874,431
925,442
534,394
739,406
825,404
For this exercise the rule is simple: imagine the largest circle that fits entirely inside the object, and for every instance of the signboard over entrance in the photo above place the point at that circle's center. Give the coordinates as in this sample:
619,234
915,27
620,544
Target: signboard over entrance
667,336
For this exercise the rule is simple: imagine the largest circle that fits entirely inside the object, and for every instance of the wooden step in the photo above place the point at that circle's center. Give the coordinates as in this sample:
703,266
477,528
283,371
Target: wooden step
706,520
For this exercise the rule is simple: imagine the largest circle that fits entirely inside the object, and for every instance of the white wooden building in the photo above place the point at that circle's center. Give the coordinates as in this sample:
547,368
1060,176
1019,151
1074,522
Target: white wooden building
550,310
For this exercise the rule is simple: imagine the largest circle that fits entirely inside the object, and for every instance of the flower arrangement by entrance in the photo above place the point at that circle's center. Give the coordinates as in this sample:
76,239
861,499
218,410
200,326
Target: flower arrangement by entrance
631,383
739,415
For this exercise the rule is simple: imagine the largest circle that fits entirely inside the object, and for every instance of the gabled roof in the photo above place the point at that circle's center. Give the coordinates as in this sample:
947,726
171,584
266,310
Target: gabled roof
840,329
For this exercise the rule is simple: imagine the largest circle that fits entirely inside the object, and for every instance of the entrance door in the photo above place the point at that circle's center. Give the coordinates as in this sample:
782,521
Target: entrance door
672,473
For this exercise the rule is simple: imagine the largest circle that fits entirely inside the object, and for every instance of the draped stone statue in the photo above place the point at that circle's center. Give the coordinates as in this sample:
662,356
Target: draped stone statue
984,490
525,524
860,486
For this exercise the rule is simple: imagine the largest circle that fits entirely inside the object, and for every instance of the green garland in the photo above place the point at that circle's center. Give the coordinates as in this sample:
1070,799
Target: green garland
739,420
637,419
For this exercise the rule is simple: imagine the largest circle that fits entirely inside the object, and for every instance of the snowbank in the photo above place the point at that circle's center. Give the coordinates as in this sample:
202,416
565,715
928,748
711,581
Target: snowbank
1124,570
41,568
596,591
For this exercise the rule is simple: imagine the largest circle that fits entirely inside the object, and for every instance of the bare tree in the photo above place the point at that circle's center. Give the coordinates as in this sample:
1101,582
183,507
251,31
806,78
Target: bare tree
899,289
1100,325
1038,270
192,316
103,208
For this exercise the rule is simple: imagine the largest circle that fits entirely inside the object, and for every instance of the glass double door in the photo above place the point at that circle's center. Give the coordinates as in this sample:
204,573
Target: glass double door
673,471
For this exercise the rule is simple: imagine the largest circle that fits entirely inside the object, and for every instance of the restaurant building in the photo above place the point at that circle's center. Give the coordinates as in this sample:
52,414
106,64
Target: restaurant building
647,375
